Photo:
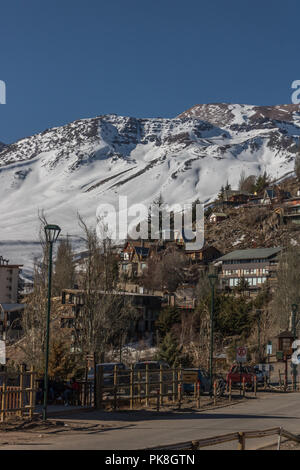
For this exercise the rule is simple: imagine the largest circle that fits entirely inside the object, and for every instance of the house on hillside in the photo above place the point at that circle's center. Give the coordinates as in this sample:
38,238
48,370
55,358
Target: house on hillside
134,258
291,211
274,194
236,196
205,255
256,266
217,217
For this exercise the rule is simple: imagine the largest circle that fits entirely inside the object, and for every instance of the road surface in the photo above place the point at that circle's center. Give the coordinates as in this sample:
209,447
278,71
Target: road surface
139,430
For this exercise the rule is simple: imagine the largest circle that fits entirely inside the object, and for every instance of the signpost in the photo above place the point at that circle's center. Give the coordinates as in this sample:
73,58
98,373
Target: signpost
241,354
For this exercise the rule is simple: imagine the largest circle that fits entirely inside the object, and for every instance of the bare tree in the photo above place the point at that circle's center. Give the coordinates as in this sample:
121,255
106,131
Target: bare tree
166,271
64,270
107,314
287,288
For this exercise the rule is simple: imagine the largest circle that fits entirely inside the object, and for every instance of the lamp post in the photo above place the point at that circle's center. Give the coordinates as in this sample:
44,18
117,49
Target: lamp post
294,332
212,281
52,232
258,314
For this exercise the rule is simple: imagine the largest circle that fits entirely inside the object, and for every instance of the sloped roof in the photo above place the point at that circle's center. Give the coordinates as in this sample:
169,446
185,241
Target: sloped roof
218,214
251,254
12,307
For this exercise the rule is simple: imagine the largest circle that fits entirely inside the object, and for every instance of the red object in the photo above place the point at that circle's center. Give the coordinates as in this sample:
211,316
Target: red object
239,374
75,386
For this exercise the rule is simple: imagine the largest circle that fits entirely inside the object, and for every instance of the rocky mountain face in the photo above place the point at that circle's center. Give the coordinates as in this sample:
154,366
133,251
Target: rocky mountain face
76,167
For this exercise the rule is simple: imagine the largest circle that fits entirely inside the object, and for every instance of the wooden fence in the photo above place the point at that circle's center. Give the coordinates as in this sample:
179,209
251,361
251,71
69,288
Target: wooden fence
240,437
148,387
17,400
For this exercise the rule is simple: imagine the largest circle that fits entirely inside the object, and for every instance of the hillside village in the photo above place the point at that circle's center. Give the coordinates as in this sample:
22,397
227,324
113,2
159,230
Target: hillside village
246,237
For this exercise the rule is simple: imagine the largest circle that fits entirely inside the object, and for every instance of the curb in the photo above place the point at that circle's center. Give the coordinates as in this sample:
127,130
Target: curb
66,411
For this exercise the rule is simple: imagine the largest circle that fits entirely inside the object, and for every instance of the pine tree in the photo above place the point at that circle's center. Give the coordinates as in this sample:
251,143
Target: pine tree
262,182
62,362
221,193
228,186
167,318
169,350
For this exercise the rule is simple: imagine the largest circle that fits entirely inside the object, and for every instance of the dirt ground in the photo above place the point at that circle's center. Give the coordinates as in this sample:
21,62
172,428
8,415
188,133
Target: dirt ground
22,431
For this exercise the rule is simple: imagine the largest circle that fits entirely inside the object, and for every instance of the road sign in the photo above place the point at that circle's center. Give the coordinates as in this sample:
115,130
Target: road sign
241,354
190,377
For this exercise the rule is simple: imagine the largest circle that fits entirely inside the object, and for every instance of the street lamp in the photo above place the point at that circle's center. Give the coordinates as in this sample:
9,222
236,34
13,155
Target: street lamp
258,315
51,232
212,281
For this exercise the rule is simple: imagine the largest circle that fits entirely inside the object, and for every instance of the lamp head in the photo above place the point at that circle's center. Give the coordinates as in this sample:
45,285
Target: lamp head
212,279
52,232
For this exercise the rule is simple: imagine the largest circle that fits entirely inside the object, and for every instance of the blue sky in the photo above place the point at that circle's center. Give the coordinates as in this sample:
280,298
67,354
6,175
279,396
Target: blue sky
69,59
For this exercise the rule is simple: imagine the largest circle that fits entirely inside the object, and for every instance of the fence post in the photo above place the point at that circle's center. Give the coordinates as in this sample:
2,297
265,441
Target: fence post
161,392
21,400
255,385
3,401
31,393
115,386
99,385
157,399
147,385
241,438
174,384
179,395
95,380
139,386
279,438
229,394
215,392
131,387
198,394
280,384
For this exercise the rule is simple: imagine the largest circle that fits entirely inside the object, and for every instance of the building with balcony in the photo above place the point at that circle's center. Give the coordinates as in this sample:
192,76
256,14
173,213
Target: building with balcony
255,266
147,305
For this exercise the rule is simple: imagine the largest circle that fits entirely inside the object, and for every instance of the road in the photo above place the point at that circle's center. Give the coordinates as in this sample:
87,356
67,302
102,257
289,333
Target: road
138,430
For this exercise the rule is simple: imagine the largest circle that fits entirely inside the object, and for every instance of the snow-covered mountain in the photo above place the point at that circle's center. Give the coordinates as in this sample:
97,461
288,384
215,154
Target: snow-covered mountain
90,161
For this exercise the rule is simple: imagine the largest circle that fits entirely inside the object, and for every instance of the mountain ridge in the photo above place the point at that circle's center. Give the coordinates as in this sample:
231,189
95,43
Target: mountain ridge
73,168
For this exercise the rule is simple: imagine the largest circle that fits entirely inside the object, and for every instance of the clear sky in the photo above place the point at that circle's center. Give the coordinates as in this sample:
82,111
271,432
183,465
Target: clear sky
68,59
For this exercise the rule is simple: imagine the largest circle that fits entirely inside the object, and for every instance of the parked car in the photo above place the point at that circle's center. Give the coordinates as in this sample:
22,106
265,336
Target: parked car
190,376
262,373
108,368
239,373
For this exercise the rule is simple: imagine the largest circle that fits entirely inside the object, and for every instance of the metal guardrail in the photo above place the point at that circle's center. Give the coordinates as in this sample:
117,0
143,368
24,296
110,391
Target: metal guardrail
235,436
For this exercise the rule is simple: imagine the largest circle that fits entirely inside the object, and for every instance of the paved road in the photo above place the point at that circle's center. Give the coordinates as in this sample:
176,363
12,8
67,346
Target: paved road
138,430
